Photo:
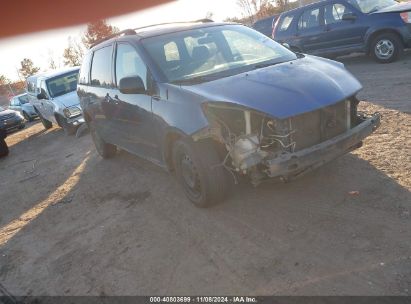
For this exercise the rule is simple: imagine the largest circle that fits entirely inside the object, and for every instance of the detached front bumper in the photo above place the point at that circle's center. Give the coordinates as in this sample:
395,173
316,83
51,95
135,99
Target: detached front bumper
292,165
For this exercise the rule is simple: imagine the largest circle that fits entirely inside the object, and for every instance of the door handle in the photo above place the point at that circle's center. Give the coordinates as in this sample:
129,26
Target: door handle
109,99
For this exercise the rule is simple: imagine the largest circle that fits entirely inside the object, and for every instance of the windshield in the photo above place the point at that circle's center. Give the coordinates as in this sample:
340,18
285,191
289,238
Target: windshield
213,52
23,99
62,84
369,6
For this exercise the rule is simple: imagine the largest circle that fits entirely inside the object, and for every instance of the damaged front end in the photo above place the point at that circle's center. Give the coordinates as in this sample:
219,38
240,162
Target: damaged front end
263,147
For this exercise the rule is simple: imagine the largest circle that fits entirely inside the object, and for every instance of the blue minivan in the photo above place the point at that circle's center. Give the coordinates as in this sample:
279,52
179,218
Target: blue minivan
380,28
214,102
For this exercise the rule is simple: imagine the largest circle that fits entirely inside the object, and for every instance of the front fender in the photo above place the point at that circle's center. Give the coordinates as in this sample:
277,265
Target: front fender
373,31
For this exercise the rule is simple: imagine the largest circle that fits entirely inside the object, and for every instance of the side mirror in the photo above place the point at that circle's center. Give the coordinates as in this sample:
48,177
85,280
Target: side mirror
286,45
349,17
132,85
41,96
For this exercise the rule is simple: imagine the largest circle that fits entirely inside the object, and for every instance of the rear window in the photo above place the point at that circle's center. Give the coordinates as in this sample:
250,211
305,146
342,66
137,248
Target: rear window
285,23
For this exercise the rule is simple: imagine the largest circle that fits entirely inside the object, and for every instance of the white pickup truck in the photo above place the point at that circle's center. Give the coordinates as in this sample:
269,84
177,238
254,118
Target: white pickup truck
54,97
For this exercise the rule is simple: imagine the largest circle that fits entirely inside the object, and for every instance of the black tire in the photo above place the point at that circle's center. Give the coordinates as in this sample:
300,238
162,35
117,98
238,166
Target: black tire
27,117
198,170
67,128
105,150
386,48
46,123
4,150
22,126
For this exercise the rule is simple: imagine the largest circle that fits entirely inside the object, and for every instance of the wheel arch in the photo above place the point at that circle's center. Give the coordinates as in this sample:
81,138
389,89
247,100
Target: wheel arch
375,33
170,138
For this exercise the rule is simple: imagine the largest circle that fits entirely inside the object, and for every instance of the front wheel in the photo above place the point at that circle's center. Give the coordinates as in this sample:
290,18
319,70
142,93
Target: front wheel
46,123
105,150
386,48
199,170
69,129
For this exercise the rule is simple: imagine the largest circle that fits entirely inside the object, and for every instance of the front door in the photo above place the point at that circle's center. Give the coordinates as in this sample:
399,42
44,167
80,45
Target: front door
340,33
310,30
47,104
133,116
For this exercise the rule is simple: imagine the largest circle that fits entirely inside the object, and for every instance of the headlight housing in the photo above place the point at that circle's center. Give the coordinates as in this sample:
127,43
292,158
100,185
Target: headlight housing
72,112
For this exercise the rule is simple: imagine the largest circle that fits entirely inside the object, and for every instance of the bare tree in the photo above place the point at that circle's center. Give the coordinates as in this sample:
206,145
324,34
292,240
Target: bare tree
51,61
209,15
252,10
73,54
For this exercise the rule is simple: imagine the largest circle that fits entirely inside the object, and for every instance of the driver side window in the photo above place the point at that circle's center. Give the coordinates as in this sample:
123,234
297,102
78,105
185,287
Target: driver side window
43,89
129,63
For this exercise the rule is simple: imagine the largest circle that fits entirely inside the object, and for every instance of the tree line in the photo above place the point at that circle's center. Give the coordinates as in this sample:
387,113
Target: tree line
72,56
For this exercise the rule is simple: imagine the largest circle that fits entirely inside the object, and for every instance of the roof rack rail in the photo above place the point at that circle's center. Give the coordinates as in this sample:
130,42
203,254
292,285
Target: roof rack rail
133,31
123,32
205,20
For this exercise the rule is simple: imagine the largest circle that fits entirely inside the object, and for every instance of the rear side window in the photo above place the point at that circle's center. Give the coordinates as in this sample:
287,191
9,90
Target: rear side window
23,99
84,76
309,19
101,67
31,86
285,23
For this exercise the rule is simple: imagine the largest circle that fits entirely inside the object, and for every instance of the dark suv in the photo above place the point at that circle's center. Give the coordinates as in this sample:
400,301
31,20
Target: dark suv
380,28
214,101
266,25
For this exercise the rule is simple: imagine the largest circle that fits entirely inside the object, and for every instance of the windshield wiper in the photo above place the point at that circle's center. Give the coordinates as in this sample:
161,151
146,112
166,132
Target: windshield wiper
264,65
195,80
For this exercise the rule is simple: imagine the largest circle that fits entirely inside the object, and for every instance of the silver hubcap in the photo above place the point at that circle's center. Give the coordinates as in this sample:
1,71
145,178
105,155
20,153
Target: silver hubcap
384,49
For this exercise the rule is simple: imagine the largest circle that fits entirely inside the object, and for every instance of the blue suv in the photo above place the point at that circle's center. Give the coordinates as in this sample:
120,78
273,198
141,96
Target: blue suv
380,28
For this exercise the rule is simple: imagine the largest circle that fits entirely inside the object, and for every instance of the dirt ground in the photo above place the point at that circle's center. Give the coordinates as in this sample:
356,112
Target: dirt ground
74,224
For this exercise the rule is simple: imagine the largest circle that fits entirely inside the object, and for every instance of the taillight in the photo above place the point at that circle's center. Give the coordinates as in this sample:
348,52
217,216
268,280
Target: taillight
406,17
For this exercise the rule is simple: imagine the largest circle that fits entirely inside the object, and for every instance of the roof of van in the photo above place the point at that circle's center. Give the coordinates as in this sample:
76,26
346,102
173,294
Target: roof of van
159,29
53,73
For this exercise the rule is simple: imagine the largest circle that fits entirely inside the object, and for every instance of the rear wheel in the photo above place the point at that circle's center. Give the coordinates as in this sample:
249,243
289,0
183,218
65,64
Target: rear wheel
386,48
198,169
105,150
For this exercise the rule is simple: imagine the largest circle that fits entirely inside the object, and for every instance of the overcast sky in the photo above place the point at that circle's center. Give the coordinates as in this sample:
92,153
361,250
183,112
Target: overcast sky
39,47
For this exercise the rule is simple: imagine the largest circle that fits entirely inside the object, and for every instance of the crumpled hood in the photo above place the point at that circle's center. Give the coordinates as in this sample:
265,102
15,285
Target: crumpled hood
396,8
68,100
7,112
285,89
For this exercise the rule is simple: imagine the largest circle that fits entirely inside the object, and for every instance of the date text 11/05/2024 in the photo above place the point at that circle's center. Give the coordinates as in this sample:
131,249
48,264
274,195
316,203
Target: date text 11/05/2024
206,299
